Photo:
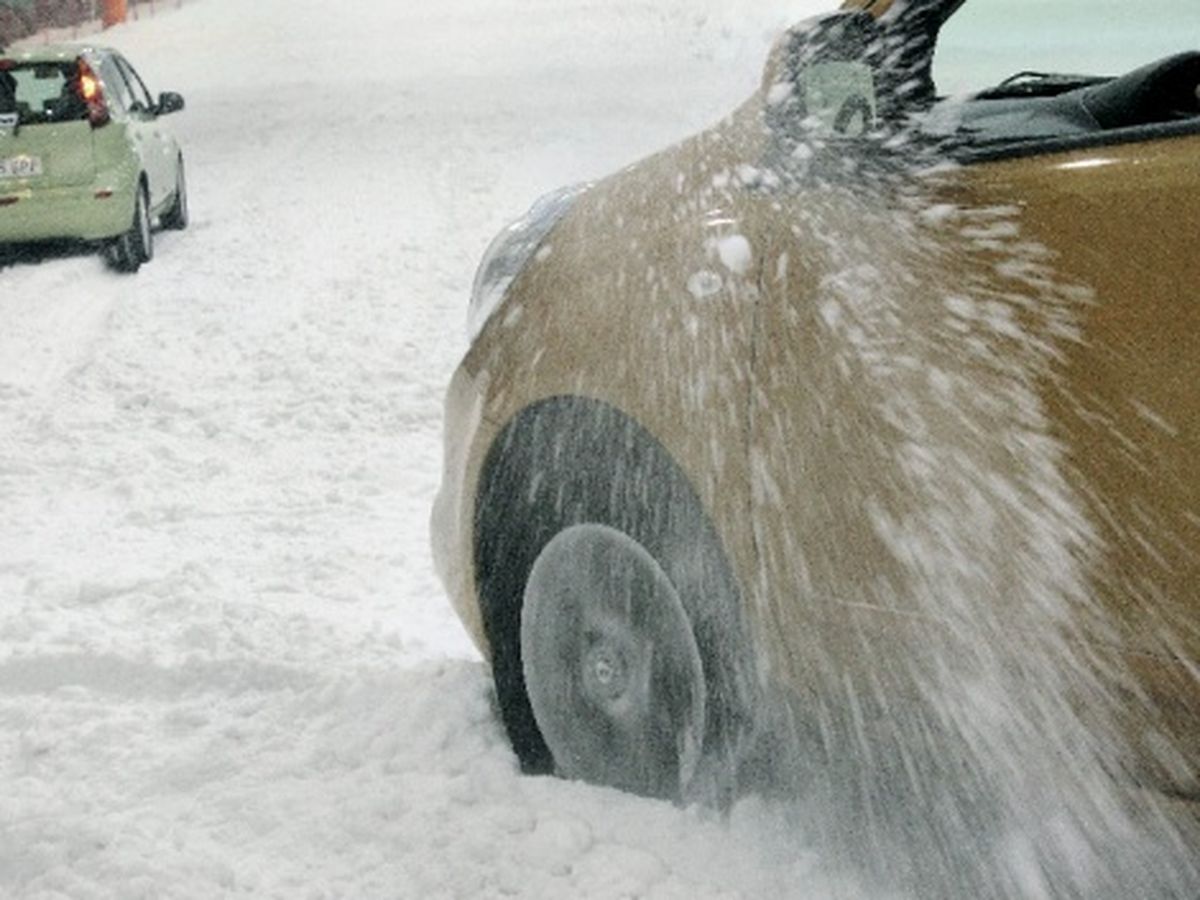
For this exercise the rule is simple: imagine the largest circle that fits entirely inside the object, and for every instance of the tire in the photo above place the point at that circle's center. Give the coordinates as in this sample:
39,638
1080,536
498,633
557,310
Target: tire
127,252
176,216
587,528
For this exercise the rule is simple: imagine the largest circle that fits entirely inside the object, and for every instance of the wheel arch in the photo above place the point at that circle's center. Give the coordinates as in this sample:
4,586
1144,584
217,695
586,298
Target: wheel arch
567,460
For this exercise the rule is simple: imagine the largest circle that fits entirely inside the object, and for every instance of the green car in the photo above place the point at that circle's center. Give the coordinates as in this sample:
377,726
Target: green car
84,154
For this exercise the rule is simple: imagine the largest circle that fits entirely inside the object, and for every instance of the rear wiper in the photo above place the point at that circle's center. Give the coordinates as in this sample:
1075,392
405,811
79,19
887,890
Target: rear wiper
1038,84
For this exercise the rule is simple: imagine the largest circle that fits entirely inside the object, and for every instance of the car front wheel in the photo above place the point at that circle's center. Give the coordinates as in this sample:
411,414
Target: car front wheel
618,646
612,667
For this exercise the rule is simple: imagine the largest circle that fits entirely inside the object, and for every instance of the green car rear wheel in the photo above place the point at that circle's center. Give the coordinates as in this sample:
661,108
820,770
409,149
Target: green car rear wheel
132,248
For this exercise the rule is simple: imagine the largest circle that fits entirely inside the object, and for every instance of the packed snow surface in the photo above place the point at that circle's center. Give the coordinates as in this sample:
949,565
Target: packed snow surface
226,666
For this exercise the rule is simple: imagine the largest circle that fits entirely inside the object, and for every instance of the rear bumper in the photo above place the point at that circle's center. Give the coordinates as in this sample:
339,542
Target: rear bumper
89,212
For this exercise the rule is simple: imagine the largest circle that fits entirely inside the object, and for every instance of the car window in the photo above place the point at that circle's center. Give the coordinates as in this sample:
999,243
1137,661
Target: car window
41,92
141,97
115,87
987,41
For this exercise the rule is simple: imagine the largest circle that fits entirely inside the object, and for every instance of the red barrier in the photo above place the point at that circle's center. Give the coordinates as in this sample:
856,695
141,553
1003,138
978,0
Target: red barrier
114,12
21,18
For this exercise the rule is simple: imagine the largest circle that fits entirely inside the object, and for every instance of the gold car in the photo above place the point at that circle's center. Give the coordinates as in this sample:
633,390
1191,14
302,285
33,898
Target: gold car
860,425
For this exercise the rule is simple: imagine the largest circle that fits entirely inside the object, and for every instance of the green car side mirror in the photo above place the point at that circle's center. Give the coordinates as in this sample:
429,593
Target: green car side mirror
169,102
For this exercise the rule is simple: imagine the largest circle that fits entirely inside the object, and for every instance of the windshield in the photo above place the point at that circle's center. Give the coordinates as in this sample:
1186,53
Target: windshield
987,41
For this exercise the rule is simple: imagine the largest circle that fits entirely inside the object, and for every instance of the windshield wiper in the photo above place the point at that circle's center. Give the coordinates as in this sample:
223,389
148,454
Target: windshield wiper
1038,84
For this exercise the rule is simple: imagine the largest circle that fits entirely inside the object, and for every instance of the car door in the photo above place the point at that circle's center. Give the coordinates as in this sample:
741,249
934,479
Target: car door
152,142
1122,221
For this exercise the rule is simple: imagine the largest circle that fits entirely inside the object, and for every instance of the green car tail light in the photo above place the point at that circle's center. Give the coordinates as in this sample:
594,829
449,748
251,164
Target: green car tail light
92,93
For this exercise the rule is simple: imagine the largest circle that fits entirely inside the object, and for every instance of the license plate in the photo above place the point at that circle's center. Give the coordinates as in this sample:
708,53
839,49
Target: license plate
20,166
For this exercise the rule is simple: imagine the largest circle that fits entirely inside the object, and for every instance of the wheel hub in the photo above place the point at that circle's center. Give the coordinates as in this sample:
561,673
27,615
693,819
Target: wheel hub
605,674
611,667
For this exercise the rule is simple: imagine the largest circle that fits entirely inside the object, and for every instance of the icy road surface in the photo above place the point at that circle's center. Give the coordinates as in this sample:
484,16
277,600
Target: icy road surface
226,667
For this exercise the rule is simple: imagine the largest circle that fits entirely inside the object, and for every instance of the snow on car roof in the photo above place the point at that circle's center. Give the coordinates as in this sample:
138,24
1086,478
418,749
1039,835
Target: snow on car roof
52,52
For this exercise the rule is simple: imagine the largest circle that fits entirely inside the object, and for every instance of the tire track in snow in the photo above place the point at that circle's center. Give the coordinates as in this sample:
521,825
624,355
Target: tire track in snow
53,315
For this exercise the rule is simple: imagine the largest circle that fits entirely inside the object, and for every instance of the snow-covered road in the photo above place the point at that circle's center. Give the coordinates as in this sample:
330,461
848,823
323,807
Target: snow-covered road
226,666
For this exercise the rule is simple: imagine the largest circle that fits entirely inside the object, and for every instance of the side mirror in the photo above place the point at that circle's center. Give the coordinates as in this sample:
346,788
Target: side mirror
169,102
820,81
839,99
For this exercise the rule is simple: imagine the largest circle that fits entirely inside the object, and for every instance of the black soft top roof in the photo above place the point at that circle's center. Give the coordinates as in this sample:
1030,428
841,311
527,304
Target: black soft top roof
1157,100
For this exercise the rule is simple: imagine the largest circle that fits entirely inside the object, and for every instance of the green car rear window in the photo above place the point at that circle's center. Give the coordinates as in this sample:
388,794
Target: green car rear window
42,92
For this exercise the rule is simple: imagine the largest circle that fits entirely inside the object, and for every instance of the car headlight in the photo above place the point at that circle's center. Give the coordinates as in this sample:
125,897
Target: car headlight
511,249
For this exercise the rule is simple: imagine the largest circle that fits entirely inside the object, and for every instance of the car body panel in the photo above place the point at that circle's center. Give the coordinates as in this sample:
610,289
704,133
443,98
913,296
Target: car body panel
1122,220
1100,396
673,280
65,213
834,364
152,142
64,150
